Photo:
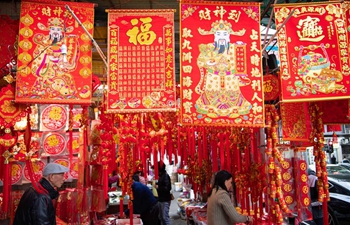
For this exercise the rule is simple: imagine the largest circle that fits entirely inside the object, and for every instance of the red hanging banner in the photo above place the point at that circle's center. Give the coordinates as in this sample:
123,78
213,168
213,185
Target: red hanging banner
221,74
271,86
141,61
313,52
328,109
54,53
296,122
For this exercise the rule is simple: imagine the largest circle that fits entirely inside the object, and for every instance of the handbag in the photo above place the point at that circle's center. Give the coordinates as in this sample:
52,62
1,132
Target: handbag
172,196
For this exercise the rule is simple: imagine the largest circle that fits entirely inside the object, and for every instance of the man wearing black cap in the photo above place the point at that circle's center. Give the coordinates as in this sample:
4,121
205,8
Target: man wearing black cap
36,207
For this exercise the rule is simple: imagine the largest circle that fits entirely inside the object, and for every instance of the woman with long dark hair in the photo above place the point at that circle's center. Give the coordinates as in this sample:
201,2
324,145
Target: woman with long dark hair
220,207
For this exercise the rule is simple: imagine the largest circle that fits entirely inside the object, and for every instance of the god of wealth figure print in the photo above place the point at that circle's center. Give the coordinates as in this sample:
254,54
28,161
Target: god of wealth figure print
53,61
221,77
54,54
223,85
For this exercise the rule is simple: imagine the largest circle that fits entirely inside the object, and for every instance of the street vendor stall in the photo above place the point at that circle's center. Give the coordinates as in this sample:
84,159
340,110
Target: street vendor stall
225,113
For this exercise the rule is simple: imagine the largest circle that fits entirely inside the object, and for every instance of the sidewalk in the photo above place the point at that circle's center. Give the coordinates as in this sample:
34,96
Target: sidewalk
174,216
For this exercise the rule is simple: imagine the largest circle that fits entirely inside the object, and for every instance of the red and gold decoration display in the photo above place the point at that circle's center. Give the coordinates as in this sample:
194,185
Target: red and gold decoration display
53,117
38,167
221,74
276,200
271,87
10,113
341,107
141,55
317,139
313,49
54,143
296,124
54,53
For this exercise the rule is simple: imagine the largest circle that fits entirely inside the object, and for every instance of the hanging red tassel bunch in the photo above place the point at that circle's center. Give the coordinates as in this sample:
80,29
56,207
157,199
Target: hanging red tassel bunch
316,137
276,201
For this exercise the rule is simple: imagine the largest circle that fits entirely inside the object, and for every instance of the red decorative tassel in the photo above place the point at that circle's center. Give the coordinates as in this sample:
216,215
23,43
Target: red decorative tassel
178,147
228,151
105,181
199,148
121,205
70,137
7,187
155,160
189,139
214,153
222,151
168,144
131,212
161,148
185,147
205,144
193,141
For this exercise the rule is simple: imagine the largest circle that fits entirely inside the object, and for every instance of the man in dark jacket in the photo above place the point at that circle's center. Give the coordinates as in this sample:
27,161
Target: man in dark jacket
144,203
164,195
35,206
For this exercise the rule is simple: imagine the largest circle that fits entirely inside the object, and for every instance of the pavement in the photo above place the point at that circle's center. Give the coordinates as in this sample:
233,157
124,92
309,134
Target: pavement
173,212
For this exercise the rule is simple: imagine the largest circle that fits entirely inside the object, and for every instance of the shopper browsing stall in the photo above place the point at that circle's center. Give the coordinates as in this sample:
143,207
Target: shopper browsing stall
35,206
220,209
164,195
144,203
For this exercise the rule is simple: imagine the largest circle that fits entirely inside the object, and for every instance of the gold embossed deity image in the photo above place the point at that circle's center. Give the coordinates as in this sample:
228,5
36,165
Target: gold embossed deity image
56,55
220,75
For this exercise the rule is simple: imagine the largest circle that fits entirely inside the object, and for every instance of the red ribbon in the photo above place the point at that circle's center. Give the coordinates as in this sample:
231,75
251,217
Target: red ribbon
222,151
131,212
214,146
7,187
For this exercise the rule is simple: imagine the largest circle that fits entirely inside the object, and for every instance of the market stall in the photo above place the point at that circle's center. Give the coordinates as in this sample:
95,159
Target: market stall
224,114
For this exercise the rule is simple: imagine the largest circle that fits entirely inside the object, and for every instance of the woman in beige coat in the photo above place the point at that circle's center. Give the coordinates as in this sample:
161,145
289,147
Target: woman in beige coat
220,209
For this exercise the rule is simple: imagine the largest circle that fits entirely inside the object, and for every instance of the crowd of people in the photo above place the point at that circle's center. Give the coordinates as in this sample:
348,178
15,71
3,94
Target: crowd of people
151,203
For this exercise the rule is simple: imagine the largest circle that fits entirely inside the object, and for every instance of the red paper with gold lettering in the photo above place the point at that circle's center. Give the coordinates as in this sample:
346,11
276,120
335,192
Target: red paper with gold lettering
271,87
221,74
296,124
141,73
313,50
54,53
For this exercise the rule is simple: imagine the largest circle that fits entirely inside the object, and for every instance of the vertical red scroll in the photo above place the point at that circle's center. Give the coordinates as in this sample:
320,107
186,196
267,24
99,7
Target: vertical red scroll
141,73
221,75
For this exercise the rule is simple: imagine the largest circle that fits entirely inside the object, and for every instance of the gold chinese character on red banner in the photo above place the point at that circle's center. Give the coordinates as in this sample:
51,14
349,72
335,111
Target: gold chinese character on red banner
313,48
141,61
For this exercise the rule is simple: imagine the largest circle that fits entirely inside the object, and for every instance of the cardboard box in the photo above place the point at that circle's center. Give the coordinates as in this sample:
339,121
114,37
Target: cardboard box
136,221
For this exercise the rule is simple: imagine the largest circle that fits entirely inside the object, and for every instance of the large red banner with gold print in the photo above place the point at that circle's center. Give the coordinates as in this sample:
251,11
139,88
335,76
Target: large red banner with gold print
141,72
221,74
313,50
54,53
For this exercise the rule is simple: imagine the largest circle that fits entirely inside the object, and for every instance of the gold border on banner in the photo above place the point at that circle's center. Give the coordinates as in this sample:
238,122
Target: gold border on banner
216,123
306,4
113,15
138,10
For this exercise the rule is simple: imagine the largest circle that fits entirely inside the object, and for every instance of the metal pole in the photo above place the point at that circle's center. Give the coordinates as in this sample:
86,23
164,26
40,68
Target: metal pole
104,58
273,36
